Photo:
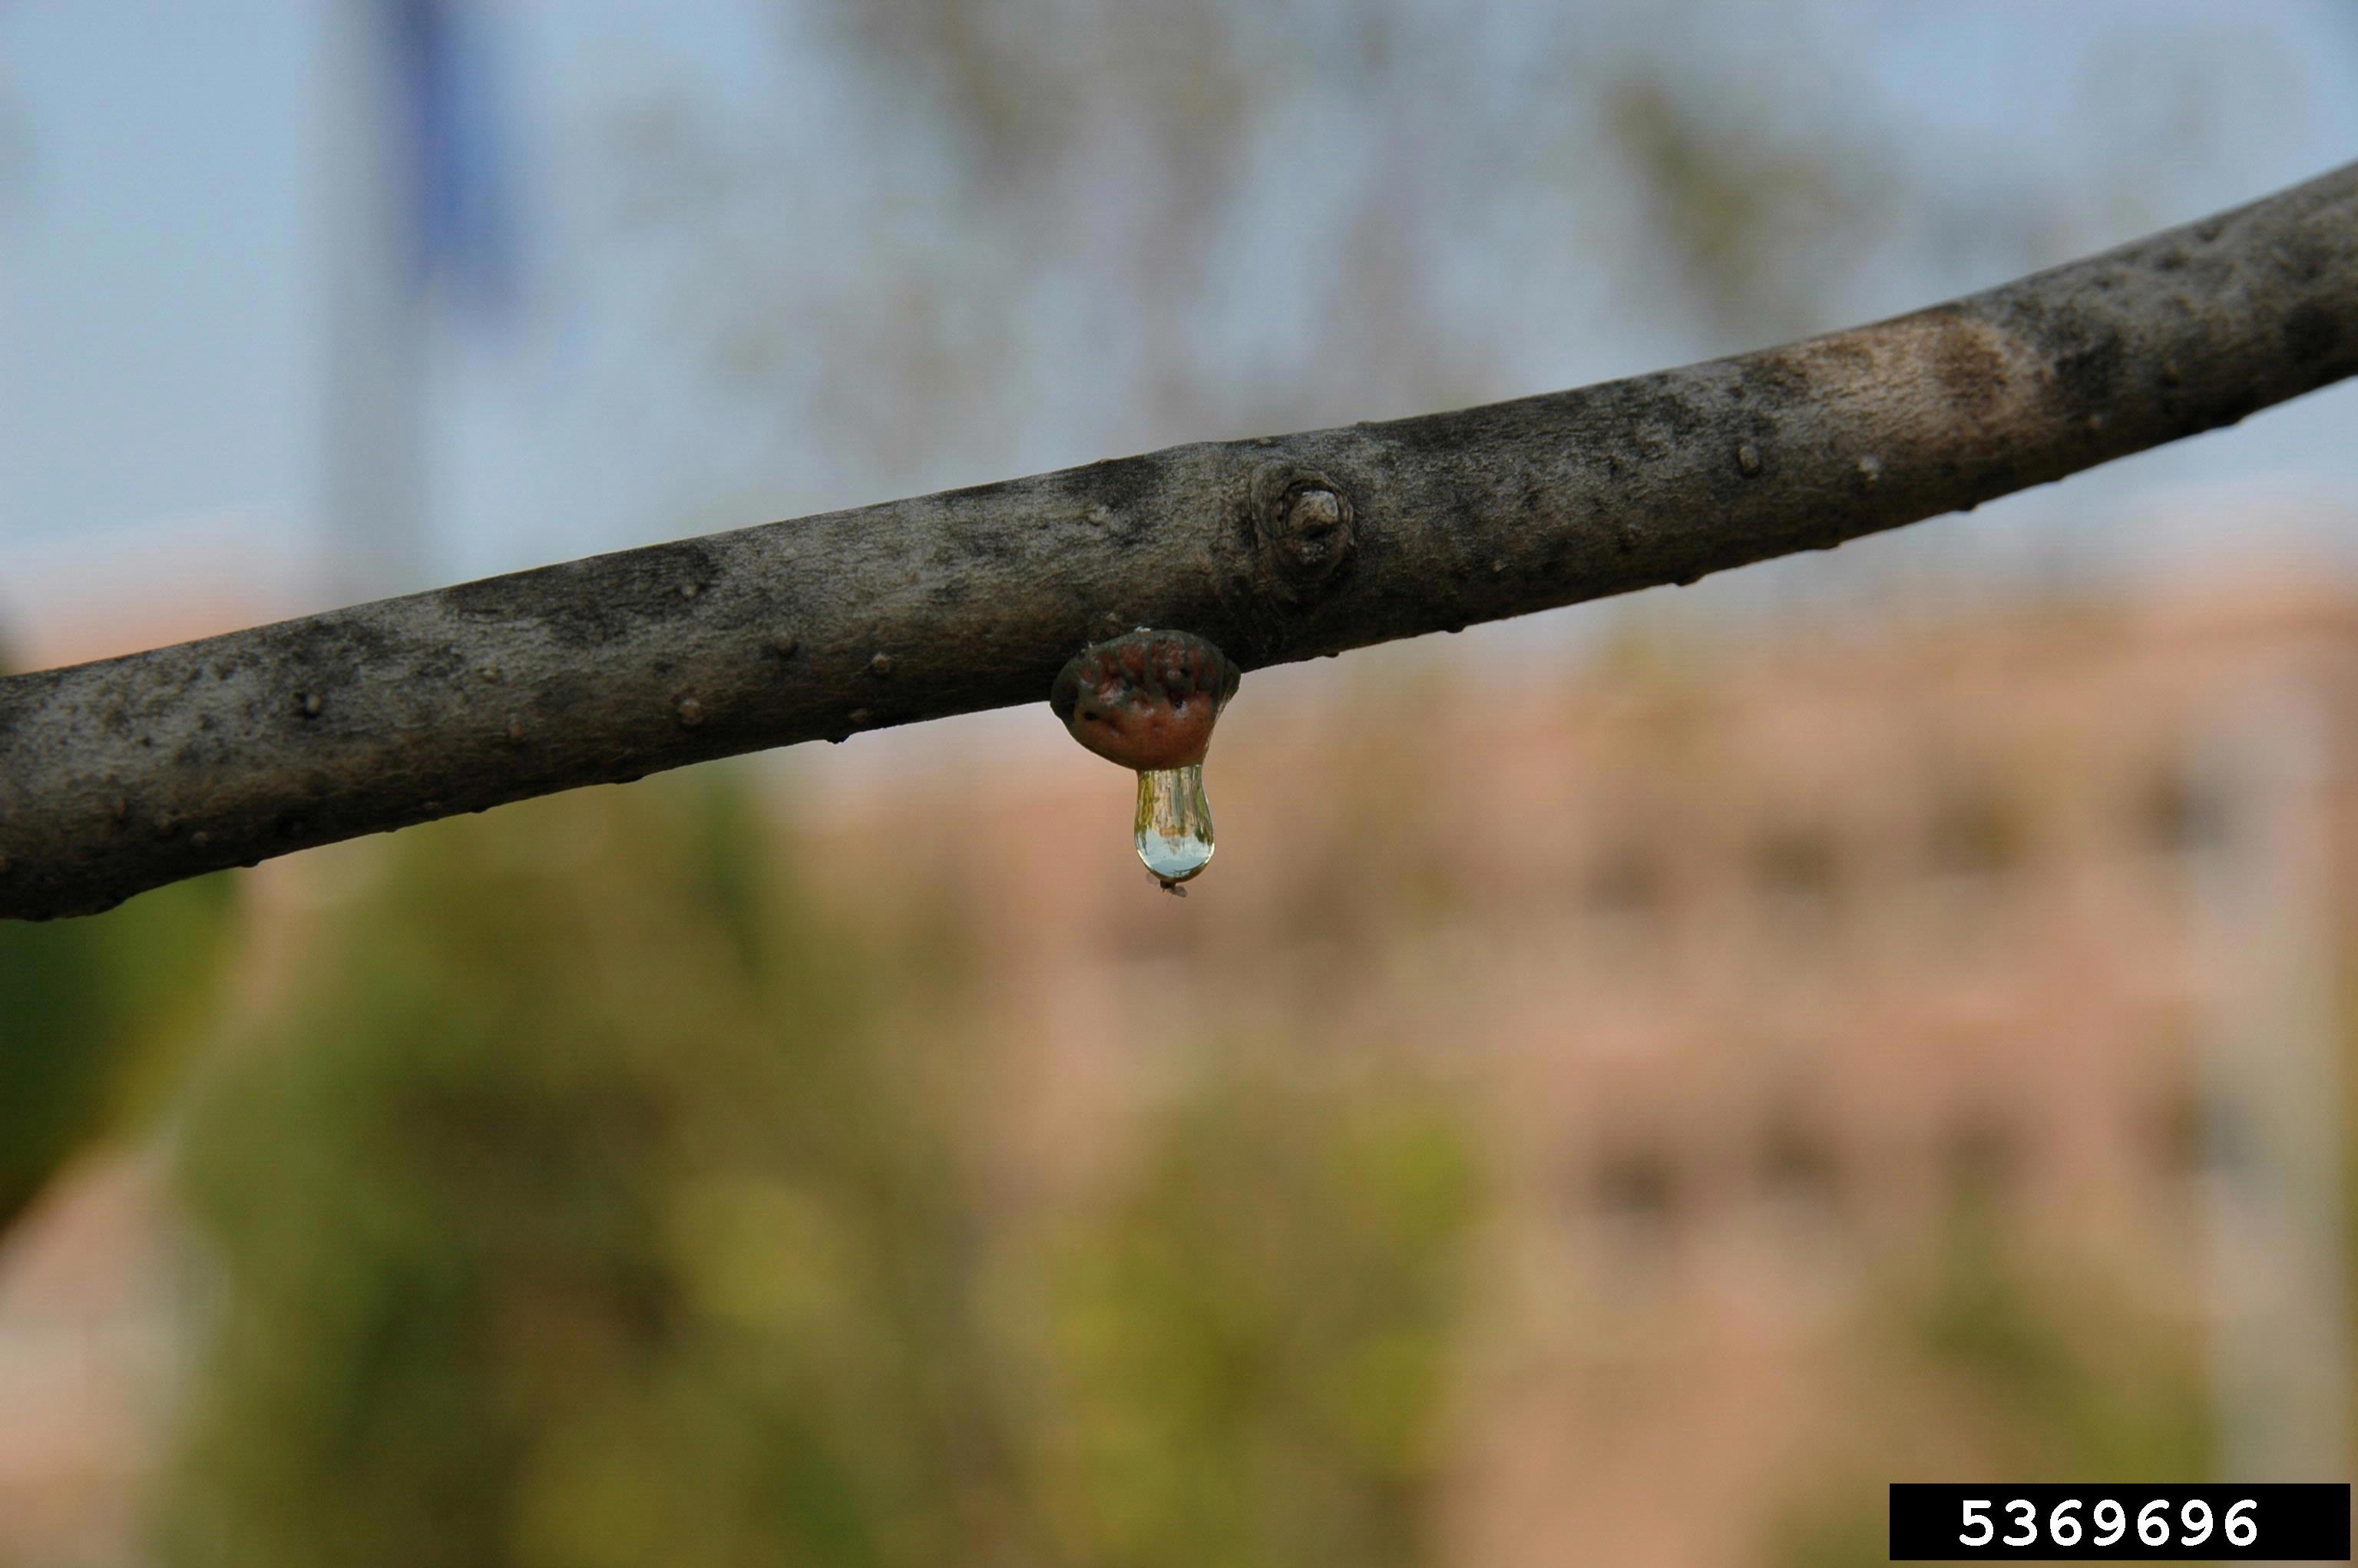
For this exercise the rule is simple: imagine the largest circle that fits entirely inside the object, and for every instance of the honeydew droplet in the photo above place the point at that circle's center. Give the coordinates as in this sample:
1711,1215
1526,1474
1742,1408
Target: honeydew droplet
1174,822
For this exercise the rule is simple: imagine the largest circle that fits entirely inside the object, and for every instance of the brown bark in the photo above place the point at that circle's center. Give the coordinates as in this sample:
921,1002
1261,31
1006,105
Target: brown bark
121,775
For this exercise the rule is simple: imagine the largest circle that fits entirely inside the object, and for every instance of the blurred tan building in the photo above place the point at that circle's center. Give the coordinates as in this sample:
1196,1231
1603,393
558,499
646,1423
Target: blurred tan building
1760,962
1755,963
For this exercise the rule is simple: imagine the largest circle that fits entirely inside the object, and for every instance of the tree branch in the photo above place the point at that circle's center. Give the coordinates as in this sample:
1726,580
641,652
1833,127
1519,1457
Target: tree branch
121,775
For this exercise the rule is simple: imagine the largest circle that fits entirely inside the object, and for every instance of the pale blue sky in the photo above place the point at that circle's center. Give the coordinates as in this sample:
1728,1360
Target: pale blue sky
159,251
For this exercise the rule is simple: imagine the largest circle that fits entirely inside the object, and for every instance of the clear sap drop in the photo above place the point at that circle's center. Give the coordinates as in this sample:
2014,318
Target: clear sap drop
1174,822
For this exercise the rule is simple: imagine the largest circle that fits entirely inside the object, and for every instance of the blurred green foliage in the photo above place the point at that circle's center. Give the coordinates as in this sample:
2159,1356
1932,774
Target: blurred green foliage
1255,1336
2043,1373
594,1200
2076,1384
92,1010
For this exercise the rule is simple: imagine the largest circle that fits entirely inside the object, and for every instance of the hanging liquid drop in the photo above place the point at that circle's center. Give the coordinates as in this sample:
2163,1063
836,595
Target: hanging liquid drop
1174,822
1148,700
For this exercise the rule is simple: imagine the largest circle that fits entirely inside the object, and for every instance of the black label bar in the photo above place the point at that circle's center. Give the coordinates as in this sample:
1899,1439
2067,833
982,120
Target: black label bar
2096,1523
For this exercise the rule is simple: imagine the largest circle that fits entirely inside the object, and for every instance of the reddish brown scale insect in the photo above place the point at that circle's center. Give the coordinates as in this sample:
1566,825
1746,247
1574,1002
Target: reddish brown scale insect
1145,700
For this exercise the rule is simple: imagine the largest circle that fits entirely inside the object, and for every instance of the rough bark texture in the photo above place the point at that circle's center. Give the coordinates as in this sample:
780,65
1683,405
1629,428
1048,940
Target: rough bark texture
123,774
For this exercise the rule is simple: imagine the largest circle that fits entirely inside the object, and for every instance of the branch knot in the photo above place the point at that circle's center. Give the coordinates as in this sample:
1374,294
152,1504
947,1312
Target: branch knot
1303,526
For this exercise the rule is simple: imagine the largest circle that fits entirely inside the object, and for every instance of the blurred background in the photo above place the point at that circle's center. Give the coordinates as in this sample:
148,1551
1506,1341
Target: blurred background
1636,1080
